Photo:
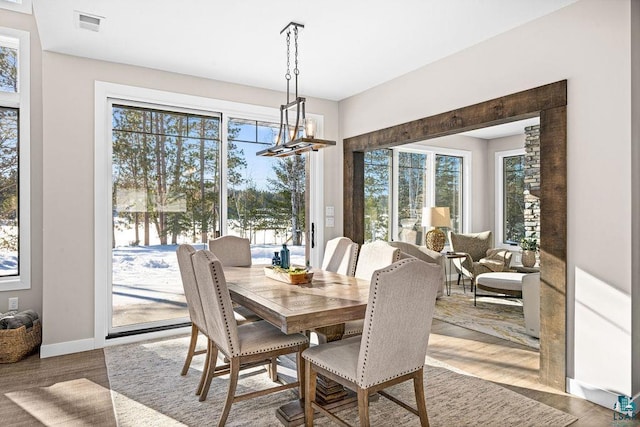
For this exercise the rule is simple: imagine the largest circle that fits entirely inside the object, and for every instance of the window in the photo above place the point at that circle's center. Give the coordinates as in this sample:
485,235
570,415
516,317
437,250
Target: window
411,178
15,265
377,189
510,196
23,6
448,187
265,195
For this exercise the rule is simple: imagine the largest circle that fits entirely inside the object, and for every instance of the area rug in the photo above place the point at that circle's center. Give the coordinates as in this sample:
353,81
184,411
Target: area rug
148,390
500,317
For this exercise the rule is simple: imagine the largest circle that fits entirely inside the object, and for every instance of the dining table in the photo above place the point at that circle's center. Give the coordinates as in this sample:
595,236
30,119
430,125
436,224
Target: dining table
322,306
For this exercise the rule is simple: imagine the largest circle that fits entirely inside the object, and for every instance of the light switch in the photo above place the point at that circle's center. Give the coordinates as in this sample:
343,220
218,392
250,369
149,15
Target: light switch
329,211
329,221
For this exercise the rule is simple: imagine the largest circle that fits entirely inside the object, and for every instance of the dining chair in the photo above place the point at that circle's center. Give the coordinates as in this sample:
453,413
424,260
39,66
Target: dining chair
232,251
243,345
425,254
373,256
392,348
194,305
340,256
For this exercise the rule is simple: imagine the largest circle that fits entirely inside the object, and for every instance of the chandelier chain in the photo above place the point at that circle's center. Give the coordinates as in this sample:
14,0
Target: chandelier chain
296,71
288,73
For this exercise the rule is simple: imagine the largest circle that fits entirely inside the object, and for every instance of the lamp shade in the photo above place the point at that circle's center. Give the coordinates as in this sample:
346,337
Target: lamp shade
436,217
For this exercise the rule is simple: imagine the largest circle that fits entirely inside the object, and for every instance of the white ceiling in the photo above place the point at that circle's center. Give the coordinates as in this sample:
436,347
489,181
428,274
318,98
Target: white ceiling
346,47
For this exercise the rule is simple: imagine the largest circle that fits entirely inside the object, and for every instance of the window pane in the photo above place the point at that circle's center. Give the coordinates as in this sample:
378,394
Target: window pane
166,183
411,181
377,188
8,69
448,187
9,229
513,190
265,195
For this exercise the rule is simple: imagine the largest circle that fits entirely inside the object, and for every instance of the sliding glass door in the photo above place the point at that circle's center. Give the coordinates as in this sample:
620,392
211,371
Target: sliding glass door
165,191
187,176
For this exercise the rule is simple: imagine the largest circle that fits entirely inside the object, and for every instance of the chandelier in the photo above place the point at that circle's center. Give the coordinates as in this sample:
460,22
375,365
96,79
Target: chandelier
296,134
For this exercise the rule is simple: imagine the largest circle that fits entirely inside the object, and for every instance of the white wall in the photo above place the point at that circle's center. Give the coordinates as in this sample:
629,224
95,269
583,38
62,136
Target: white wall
68,172
635,195
587,43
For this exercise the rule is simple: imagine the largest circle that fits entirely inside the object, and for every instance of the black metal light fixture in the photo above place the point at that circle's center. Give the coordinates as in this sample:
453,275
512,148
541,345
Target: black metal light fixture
289,141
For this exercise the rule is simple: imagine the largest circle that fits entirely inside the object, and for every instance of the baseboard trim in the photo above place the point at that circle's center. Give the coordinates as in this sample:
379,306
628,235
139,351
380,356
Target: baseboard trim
67,347
605,398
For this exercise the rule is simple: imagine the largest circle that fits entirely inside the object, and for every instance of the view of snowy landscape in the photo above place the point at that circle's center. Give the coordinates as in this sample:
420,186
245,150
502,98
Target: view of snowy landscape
147,284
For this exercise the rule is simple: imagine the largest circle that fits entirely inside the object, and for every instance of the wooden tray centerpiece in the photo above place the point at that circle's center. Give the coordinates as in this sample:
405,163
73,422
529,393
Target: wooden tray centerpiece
293,275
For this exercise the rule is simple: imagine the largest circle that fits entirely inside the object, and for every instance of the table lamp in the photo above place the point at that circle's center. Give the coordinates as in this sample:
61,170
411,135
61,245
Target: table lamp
435,217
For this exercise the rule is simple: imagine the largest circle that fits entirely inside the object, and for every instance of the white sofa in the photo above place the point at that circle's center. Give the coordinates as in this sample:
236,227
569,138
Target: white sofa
515,285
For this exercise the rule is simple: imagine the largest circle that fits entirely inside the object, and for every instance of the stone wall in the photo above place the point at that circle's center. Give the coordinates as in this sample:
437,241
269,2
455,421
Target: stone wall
532,182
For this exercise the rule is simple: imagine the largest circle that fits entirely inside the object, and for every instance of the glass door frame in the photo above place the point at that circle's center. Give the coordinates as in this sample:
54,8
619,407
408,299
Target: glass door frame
104,92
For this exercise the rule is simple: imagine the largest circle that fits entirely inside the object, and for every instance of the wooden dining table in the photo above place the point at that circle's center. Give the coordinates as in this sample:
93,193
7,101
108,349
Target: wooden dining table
324,305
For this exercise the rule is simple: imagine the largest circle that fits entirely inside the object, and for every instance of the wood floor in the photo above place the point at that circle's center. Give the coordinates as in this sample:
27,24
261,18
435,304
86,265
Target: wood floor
75,388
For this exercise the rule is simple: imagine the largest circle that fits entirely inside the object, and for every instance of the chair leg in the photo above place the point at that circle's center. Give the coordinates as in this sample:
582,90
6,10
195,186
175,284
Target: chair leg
205,369
192,349
301,374
272,369
233,382
363,407
210,371
310,394
418,385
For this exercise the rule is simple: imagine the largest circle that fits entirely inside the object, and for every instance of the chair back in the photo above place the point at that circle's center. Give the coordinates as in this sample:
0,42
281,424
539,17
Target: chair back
373,256
397,322
191,293
232,251
425,254
216,302
475,244
340,256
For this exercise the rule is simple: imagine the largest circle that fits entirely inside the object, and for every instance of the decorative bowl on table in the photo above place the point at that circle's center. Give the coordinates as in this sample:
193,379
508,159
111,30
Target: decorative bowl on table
291,275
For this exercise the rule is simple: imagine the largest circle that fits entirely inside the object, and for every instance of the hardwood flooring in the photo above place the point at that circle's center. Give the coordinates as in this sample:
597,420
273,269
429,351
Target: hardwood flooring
512,366
63,390
74,389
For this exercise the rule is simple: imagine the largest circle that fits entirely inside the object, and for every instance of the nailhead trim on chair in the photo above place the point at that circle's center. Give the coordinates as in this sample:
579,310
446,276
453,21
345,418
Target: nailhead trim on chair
275,347
370,318
220,301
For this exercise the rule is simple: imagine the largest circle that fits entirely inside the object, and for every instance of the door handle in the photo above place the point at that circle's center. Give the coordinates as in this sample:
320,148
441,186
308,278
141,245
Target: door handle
313,235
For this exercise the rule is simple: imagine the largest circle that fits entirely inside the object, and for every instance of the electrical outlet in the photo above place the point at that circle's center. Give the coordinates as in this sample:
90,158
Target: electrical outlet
13,303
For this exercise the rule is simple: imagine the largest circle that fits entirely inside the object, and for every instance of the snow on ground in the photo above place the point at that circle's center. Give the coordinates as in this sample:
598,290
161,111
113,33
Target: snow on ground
148,274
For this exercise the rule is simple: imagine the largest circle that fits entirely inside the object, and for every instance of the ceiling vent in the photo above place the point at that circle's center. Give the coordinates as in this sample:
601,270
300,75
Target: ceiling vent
88,22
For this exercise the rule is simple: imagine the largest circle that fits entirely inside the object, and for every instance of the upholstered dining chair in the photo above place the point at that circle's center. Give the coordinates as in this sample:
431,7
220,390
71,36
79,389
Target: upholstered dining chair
374,255
340,256
392,348
242,344
425,254
192,295
232,251
481,256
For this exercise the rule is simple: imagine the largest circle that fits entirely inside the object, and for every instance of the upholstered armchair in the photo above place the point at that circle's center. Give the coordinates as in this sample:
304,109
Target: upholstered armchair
481,257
